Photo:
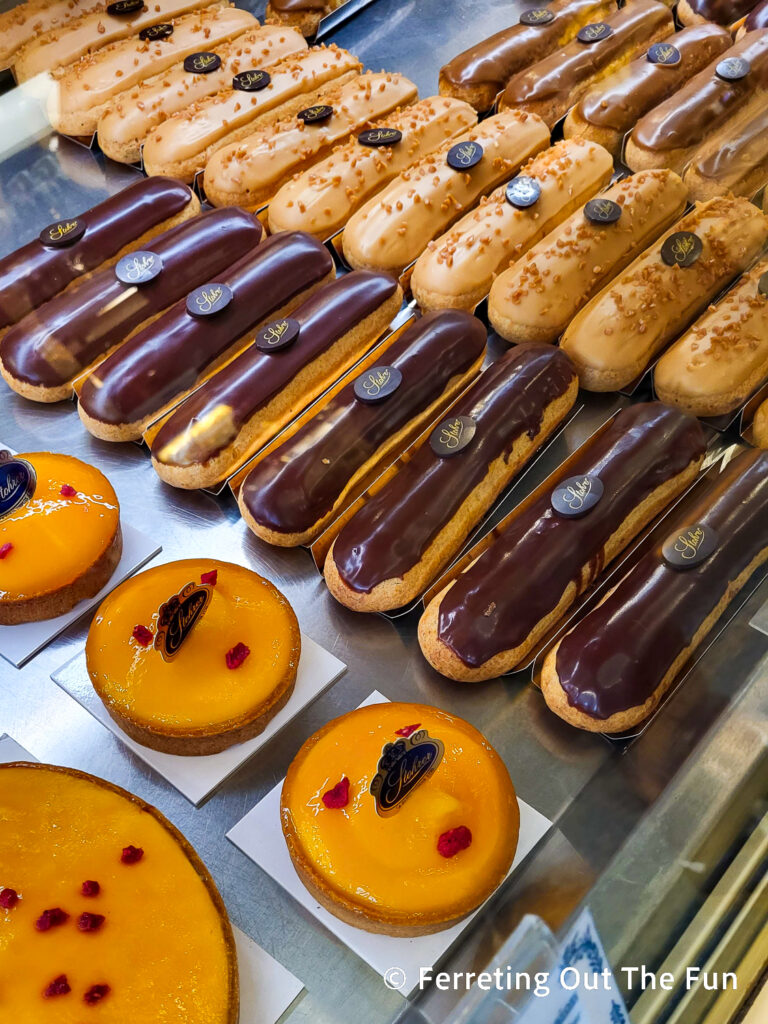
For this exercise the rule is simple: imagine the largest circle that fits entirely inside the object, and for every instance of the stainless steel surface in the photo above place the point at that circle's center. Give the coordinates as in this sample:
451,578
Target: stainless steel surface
596,796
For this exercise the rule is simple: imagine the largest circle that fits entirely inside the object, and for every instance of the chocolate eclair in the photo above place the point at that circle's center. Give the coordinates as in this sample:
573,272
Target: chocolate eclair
291,361
478,74
757,18
74,246
554,546
552,86
719,12
734,159
609,110
292,494
160,363
610,672
409,530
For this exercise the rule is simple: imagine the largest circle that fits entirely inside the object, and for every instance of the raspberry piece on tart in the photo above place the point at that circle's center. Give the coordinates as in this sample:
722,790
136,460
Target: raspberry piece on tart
88,922
90,888
95,994
236,655
454,841
8,898
142,635
210,577
407,730
6,549
131,855
51,919
338,796
68,491
58,987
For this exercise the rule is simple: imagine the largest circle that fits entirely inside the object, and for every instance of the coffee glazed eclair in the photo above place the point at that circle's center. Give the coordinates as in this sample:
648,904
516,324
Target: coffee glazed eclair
252,171
480,73
92,31
323,198
610,672
610,109
134,114
400,539
552,86
719,361
487,620
291,362
458,269
720,12
670,134
164,360
735,159
303,15
30,19
185,142
392,230
72,248
538,296
43,354
82,93
617,334
298,488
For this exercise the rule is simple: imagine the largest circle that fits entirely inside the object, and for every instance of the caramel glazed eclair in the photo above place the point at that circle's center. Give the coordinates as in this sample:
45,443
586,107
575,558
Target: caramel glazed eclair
69,250
610,672
670,134
553,85
486,621
67,43
249,173
299,487
323,198
135,113
159,364
186,141
43,354
480,73
719,361
83,91
29,19
610,109
291,362
617,334
392,548
538,296
458,269
303,15
392,230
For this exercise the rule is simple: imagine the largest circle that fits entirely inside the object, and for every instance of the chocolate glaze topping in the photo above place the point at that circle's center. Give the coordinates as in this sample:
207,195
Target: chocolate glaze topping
758,17
623,98
170,354
493,61
391,532
721,12
732,158
34,273
52,345
705,102
522,576
211,418
297,484
618,655
560,72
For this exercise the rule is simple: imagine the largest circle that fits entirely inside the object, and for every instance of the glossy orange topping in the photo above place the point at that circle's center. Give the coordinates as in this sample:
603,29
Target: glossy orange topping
196,690
392,865
57,537
165,946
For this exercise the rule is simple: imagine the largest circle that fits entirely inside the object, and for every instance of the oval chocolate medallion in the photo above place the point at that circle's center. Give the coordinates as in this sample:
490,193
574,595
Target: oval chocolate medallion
595,32
523,191
682,248
663,53
452,435
125,7
377,383
277,335
689,547
152,32
314,115
732,69
251,81
536,16
62,232
380,137
209,299
602,211
464,155
138,267
577,495
202,63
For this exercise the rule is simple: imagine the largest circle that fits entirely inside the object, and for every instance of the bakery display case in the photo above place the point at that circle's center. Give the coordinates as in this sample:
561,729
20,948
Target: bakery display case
656,834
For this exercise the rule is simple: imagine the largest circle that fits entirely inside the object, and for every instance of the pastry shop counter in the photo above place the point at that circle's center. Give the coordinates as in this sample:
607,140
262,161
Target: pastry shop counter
615,816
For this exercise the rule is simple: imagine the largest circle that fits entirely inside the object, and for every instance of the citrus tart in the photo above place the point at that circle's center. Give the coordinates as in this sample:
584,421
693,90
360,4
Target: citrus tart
194,656
60,538
106,912
399,818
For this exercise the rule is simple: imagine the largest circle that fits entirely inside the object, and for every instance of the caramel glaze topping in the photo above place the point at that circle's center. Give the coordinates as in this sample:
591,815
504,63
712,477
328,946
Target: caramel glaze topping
33,274
52,345
522,576
171,353
494,60
213,416
618,655
297,484
622,99
705,102
391,532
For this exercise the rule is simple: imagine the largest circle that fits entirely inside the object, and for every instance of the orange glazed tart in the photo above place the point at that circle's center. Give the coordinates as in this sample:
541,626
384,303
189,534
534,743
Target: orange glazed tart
60,538
107,914
194,656
399,818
